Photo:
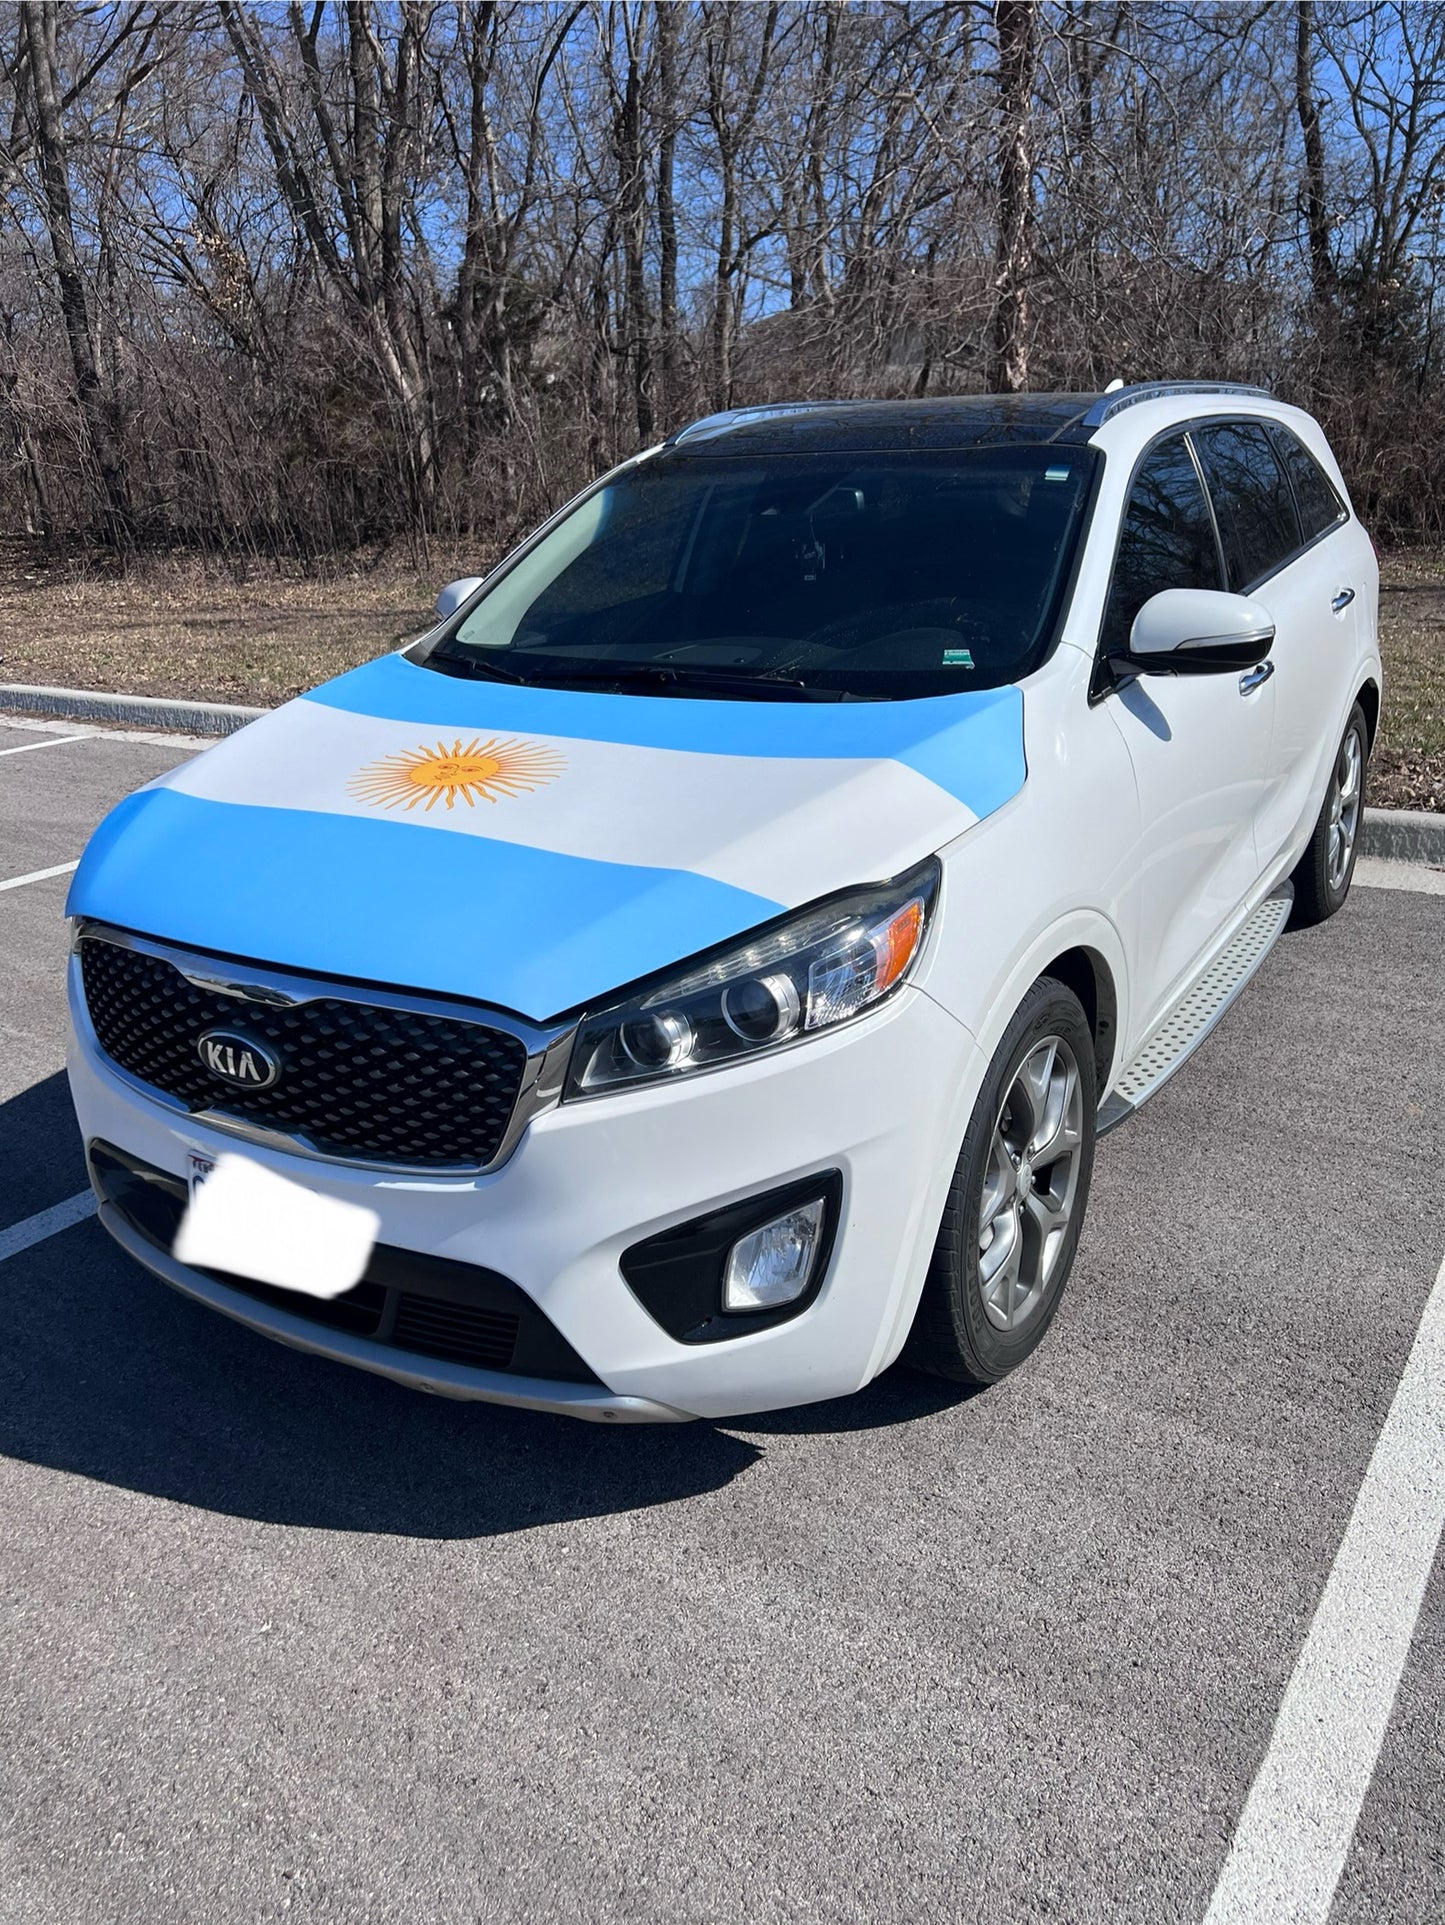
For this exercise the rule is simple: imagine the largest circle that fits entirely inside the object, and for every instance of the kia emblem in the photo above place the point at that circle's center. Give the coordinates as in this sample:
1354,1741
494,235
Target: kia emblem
238,1060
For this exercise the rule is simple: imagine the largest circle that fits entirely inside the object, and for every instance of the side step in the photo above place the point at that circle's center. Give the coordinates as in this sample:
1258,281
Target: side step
1198,1010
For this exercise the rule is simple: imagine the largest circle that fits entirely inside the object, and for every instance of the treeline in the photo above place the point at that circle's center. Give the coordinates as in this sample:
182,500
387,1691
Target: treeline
288,278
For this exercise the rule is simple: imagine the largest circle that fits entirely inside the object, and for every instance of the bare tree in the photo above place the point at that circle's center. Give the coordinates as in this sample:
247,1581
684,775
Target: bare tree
1317,225
733,101
367,128
1017,27
289,279
40,28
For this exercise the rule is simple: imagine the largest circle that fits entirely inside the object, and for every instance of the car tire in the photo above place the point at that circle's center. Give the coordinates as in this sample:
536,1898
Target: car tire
1003,1257
1322,876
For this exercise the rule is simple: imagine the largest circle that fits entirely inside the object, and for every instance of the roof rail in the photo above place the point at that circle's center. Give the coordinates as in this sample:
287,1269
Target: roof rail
716,424
1108,405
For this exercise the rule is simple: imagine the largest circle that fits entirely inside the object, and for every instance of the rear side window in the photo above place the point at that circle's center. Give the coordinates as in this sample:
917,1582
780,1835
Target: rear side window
1319,506
1167,540
1252,498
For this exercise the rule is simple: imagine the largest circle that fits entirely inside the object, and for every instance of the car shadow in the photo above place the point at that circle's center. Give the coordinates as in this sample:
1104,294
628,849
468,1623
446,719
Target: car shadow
1142,706
108,1375
900,1396
41,1160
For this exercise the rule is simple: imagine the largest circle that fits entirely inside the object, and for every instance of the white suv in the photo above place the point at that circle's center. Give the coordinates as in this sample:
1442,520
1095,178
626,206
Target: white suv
710,954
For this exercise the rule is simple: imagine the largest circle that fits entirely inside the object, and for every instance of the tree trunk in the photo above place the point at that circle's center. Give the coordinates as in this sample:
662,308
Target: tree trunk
632,218
732,125
1322,266
819,283
40,23
36,512
1016,22
667,205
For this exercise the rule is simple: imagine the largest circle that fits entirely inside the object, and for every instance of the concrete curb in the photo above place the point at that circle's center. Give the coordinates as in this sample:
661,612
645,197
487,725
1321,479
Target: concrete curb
146,711
1404,835
1399,835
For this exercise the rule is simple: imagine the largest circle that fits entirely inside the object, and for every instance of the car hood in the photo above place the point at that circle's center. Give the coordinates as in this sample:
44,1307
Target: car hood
534,848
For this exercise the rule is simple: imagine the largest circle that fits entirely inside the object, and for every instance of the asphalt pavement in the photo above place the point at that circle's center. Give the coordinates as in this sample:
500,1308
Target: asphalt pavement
278,1639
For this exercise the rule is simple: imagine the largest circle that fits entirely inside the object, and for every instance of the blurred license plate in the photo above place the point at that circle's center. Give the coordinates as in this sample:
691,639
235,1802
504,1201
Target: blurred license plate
198,1169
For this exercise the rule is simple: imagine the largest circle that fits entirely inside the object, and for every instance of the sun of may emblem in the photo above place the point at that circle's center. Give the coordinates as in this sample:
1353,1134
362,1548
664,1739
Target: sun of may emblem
492,769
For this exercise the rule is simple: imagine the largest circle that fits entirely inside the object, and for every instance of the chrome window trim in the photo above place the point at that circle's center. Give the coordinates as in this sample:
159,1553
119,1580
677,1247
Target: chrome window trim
548,1047
1203,479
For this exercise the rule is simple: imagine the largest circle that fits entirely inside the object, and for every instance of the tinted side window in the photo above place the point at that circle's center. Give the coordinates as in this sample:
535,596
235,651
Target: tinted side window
1167,539
1319,506
1252,498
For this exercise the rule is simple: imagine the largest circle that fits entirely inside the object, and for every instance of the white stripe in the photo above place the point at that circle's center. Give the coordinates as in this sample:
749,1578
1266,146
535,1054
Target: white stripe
713,815
90,732
1294,1833
35,1229
50,742
41,875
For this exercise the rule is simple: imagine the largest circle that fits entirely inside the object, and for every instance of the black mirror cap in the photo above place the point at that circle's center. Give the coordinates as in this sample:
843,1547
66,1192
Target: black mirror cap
1215,658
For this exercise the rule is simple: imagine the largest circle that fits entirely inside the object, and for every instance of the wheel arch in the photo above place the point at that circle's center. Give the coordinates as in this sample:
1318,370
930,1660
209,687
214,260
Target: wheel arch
1087,974
1081,949
1368,698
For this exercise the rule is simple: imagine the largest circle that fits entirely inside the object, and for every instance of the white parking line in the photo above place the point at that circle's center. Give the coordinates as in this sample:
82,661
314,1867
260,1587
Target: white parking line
1294,1833
50,742
41,875
46,1223
107,732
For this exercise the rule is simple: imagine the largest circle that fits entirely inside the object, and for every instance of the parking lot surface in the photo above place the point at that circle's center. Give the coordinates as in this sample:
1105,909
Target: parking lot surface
281,1639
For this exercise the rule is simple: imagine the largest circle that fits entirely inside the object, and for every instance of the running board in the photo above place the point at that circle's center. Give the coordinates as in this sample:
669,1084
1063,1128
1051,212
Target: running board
1198,1010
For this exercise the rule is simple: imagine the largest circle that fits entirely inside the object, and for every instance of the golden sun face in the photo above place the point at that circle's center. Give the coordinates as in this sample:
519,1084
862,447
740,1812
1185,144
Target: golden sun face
492,769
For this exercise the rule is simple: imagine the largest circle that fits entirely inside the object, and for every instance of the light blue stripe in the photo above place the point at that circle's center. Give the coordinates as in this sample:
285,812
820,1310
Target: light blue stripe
389,903
970,744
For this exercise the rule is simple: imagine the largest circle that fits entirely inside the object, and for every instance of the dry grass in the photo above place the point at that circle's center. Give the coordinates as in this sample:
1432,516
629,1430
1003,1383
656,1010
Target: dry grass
1407,770
176,627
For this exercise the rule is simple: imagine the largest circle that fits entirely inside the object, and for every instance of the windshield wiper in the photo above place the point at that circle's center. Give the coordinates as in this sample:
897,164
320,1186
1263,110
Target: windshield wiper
685,675
659,675
474,665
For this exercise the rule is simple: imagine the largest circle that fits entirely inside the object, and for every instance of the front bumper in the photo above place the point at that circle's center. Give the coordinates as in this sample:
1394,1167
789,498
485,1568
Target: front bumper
884,1101
438,1375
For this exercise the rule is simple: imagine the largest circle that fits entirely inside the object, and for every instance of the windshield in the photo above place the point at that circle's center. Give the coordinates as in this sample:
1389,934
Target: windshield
800,577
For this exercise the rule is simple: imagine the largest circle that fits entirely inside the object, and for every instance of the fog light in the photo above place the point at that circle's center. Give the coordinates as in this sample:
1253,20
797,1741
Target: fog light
773,1265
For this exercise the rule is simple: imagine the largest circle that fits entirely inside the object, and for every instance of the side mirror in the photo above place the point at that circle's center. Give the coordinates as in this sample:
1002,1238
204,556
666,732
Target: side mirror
454,594
1197,631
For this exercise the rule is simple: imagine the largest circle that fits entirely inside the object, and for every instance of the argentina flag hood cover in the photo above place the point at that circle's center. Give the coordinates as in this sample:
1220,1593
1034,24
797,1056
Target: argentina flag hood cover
534,848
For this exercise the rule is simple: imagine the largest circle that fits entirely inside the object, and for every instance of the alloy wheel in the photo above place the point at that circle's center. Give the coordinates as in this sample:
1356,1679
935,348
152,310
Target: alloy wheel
1030,1183
1346,794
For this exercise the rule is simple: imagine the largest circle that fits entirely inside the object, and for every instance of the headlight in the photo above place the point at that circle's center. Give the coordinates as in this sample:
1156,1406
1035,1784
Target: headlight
821,967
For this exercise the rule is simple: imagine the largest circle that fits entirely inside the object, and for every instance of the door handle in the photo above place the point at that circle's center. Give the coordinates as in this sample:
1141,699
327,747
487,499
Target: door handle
1343,599
1255,678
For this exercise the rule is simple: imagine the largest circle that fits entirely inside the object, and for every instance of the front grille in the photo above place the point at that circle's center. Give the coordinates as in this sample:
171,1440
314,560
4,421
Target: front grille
357,1079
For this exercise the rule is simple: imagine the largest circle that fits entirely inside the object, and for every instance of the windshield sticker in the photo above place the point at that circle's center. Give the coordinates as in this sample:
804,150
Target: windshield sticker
499,767
957,658
1056,474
